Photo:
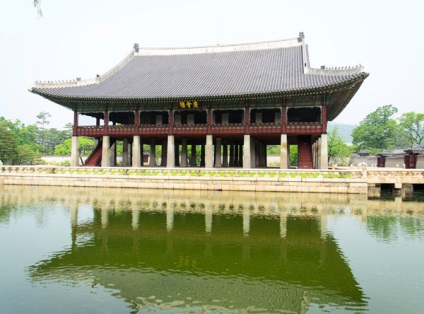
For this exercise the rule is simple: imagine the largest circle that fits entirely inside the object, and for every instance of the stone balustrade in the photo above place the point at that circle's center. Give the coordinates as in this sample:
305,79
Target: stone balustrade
346,180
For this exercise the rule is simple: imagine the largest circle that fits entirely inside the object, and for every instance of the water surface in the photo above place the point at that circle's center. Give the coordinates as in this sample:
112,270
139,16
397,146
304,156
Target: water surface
72,250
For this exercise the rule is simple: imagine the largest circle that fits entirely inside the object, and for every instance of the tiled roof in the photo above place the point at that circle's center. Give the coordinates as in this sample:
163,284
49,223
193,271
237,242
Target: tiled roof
415,149
211,72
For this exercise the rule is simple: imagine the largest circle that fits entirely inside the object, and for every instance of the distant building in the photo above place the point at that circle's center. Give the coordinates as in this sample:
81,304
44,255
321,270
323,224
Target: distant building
232,101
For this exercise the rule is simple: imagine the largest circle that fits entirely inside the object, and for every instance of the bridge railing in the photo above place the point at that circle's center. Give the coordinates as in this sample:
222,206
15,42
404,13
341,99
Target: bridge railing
217,173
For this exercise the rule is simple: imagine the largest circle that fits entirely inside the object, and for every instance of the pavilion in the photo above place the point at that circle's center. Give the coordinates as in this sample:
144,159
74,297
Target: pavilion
231,101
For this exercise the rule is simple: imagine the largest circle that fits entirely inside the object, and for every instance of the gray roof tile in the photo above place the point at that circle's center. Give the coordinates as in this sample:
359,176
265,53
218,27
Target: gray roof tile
207,75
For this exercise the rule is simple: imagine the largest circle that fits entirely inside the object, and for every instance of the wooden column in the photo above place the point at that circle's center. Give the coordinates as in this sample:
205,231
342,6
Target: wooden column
246,120
106,119
137,120
284,119
170,121
209,120
324,118
75,128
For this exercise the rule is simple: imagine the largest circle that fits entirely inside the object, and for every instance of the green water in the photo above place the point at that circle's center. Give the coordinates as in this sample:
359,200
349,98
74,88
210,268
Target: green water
69,250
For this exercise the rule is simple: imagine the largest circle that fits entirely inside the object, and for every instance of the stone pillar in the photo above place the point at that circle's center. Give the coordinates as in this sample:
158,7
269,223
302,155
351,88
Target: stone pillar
246,152
170,152
75,152
202,155
252,153
218,152
283,152
152,159
177,155
193,156
319,153
125,157
106,151
265,156
240,156
184,153
324,152
163,156
136,153
236,155
209,152
225,155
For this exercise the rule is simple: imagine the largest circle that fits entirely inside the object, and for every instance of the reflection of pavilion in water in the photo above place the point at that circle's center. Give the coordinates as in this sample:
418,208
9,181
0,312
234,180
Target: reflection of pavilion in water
164,253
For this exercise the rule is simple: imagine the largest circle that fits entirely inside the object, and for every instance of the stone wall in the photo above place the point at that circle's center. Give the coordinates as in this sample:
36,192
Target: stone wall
391,161
307,185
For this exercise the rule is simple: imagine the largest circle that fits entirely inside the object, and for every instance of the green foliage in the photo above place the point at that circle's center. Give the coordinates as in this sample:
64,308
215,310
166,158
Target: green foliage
8,145
14,149
85,146
338,151
294,156
377,131
411,128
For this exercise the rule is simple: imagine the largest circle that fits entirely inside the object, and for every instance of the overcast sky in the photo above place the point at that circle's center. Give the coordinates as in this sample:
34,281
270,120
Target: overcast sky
82,38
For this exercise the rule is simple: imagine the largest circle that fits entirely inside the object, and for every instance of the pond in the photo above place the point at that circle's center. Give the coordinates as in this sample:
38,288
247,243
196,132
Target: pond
76,250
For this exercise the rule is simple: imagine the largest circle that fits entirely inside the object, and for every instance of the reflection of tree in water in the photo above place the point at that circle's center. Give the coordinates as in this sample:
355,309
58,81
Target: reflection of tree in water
387,229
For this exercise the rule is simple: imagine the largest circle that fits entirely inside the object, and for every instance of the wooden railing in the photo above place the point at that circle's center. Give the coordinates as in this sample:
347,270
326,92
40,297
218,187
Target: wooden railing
216,129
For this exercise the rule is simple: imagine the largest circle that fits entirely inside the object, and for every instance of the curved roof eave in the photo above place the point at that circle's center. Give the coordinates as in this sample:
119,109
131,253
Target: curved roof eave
287,93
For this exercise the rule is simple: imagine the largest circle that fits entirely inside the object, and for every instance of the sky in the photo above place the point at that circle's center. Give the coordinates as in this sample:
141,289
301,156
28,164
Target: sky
81,38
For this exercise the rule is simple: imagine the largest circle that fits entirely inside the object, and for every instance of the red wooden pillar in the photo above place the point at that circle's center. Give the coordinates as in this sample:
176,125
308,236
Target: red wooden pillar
106,119
75,128
170,121
324,118
136,120
246,119
284,119
209,120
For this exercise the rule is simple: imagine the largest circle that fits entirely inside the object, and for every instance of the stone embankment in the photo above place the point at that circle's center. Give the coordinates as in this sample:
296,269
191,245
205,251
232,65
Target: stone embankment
348,180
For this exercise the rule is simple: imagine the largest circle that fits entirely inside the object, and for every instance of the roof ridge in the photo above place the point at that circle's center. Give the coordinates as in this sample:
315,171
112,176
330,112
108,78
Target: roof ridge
265,45
347,70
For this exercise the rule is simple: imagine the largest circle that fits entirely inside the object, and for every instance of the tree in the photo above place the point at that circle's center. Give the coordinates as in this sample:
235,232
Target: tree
377,131
411,128
8,144
14,150
42,122
85,145
338,150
